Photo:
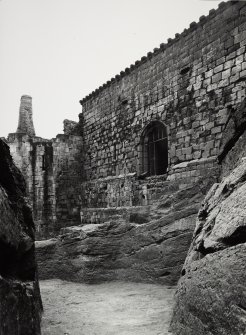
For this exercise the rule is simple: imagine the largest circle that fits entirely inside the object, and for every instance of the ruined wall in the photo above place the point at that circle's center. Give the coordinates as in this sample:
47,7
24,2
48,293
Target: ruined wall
128,190
68,173
20,302
69,126
20,148
190,84
52,169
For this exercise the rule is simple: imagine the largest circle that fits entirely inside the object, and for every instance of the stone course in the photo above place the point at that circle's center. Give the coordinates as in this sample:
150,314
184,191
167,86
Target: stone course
128,190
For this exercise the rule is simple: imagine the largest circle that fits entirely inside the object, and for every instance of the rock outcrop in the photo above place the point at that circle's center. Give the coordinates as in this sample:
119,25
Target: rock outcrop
20,301
210,298
147,244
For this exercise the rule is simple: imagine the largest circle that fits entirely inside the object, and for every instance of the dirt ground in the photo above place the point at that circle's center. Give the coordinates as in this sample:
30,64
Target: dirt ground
114,308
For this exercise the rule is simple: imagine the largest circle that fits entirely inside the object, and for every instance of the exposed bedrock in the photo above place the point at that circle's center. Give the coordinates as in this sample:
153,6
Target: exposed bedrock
211,295
150,250
20,302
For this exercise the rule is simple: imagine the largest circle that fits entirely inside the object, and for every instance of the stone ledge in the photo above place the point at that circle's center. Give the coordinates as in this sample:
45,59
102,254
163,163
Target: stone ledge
194,162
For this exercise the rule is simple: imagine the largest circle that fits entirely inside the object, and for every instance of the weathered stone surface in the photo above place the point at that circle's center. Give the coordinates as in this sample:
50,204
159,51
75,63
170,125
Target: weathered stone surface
69,126
234,128
232,148
52,171
20,302
128,248
25,125
115,251
211,298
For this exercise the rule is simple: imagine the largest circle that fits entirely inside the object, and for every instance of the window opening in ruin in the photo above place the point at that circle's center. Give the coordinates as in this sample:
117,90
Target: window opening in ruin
114,155
185,70
154,149
43,162
124,102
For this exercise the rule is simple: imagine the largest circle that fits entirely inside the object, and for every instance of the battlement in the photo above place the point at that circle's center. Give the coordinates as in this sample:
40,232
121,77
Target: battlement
165,46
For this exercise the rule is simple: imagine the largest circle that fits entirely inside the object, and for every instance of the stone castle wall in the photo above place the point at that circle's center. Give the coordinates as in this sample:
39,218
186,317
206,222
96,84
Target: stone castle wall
193,85
136,225
190,84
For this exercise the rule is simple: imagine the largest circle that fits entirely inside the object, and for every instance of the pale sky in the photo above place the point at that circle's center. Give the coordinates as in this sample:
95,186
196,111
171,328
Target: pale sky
58,51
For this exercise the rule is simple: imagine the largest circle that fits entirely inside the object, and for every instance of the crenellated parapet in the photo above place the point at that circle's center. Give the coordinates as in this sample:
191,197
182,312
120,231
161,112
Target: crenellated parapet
163,47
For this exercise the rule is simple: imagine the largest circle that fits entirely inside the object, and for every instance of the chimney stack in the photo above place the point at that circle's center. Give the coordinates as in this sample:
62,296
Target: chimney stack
25,125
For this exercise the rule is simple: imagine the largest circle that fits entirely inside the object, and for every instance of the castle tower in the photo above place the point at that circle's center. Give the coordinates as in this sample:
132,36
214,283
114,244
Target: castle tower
25,124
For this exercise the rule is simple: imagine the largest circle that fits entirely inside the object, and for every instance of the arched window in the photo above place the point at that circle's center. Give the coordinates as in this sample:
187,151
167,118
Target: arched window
154,149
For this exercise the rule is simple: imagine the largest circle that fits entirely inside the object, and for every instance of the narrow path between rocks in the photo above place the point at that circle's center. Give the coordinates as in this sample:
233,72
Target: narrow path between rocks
114,308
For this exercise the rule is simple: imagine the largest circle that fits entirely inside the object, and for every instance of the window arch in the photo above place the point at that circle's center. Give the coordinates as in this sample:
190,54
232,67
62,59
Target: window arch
154,149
